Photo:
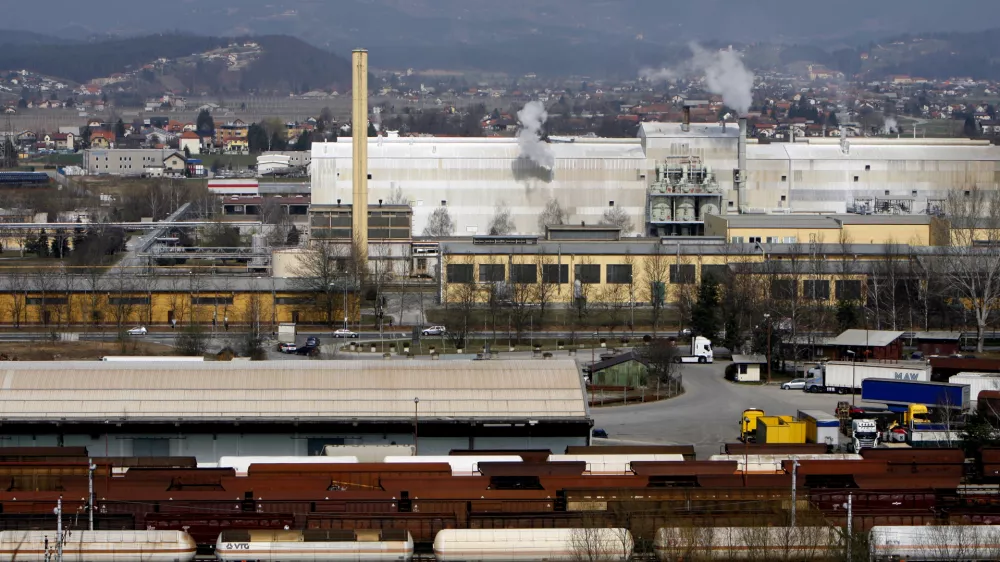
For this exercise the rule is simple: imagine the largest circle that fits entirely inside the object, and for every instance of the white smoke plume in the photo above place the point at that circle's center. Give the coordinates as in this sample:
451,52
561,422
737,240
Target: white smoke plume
890,126
658,74
532,117
725,75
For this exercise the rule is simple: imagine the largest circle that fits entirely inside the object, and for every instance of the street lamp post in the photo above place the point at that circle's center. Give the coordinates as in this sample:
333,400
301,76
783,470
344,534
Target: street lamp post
854,368
416,435
767,318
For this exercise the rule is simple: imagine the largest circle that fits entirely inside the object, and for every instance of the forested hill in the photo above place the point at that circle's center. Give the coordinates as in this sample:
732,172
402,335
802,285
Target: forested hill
283,64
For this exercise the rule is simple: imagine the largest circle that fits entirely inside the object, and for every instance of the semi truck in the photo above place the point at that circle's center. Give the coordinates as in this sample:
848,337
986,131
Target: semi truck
700,352
906,392
846,377
864,435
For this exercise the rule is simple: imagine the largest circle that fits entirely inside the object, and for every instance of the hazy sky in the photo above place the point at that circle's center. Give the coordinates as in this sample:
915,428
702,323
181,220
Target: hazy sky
658,21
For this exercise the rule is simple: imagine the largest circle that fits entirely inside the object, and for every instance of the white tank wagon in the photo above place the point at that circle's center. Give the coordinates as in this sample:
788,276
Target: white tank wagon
611,465
513,545
331,545
461,465
935,542
772,464
747,543
242,464
98,546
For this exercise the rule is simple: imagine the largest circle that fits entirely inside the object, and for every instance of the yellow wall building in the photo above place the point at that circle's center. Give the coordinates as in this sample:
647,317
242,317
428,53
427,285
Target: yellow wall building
50,303
634,269
917,230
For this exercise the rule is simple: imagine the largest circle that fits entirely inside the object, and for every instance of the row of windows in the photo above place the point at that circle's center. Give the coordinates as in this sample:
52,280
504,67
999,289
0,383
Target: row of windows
765,239
815,289
682,274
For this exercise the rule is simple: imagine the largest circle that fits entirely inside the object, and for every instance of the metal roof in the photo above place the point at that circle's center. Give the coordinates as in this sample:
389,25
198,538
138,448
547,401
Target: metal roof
866,338
444,148
749,359
305,391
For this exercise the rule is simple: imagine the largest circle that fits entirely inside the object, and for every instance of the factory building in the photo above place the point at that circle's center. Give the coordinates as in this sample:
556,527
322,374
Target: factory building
292,408
667,180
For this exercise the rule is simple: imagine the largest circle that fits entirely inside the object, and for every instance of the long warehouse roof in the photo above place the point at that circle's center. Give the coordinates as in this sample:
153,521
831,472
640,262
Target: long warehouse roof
306,391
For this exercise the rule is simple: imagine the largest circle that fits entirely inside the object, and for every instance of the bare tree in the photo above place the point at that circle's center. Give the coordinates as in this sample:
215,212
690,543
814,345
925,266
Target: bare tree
600,544
439,224
656,270
325,271
15,284
616,216
971,263
501,224
396,197
464,293
547,287
552,214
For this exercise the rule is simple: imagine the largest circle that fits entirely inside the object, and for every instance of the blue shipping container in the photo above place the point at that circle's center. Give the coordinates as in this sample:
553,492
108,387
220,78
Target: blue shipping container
931,394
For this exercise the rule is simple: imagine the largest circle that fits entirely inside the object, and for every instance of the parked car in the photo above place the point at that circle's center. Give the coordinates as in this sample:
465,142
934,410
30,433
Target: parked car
599,433
794,384
434,331
313,341
343,333
917,355
684,332
307,350
287,347
137,331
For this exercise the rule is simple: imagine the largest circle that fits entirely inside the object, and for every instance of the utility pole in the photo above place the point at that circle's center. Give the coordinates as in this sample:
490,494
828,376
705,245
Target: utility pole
416,438
59,531
850,526
90,493
795,466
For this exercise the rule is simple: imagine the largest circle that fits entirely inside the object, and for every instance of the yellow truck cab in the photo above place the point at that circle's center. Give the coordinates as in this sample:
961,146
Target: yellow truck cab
748,424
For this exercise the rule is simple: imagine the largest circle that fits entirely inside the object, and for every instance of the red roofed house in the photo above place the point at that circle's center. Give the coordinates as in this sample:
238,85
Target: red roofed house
190,141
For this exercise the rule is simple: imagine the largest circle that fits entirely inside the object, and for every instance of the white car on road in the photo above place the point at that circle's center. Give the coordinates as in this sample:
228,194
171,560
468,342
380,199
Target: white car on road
137,331
342,333
434,331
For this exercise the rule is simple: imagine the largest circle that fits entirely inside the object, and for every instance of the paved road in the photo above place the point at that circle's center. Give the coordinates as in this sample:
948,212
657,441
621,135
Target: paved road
707,414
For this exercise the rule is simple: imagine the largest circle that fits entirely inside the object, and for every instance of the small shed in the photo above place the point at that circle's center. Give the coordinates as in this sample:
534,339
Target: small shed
938,343
747,368
627,369
869,344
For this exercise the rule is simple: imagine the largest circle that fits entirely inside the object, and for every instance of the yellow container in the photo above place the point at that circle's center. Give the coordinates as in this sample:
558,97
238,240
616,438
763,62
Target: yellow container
780,429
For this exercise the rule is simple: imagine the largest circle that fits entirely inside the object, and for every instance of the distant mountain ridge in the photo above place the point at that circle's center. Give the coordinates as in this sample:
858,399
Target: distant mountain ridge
284,64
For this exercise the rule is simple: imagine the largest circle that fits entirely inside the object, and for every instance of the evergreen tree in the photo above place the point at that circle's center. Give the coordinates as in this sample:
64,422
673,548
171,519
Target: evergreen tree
303,143
205,125
847,314
293,237
120,128
41,246
705,313
371,130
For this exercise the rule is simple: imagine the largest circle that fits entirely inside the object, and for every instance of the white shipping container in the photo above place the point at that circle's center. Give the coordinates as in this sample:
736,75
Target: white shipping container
977,382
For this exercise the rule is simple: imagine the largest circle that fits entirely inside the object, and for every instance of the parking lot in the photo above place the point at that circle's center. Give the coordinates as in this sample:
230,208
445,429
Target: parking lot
707,414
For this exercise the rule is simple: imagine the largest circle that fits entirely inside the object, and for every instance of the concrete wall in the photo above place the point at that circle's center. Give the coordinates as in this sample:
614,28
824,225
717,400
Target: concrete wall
474,175
209,448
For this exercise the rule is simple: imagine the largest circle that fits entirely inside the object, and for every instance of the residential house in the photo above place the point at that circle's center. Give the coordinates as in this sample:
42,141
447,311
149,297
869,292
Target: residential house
175,162
102,139
64,141
191,142
233,136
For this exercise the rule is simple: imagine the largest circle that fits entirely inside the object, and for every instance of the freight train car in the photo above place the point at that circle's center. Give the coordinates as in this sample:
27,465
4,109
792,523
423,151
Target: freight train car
746,543
513,545
314,544
98,546
935,542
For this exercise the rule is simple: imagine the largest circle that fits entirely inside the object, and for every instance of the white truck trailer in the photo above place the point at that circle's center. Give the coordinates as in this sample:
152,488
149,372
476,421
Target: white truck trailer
845,377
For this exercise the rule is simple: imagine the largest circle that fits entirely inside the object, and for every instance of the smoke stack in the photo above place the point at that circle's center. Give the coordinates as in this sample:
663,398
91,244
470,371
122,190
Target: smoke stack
359,133
686,124
741,158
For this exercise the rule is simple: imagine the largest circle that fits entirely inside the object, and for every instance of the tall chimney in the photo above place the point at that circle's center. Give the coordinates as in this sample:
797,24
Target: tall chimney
359,132
741,158
686,124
